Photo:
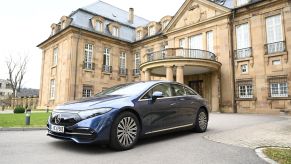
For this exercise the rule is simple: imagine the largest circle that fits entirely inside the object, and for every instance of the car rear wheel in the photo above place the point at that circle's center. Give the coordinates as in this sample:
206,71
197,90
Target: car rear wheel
201,121
125,131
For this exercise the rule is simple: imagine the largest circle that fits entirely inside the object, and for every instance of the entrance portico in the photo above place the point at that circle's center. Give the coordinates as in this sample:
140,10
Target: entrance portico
189,67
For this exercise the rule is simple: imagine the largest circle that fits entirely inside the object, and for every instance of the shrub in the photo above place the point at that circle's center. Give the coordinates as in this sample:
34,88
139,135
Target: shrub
19,109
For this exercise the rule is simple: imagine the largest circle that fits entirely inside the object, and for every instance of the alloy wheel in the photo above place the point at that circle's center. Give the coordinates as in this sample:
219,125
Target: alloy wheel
126,131
202,120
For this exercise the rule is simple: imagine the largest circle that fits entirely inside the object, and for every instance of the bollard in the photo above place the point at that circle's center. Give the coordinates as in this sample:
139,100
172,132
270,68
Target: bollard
27,117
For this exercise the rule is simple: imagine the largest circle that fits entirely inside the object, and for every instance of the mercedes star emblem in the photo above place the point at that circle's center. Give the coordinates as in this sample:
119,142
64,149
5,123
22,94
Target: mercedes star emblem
58,119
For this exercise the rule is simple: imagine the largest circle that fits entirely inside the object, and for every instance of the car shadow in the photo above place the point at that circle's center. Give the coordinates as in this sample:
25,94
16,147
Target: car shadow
105,149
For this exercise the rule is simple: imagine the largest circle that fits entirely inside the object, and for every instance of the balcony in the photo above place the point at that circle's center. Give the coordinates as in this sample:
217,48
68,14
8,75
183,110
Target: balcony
122,71
191,61
88,66
243,53
173,53
107,69
273,48
136,72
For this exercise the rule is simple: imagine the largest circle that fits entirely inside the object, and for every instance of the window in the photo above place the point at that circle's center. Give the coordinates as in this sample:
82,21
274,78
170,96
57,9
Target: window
88,61
165,24
55,56
244,68
164,88
177,90
63,24
245,89
87,91
138,35
115,31
210,41
189,91
276,62
243,41
0,85
106,57
106,61
152,31
52,89
278,87
99,26
137,62
182,43
242,2
274,34
274,29
122,64
123,60
195,43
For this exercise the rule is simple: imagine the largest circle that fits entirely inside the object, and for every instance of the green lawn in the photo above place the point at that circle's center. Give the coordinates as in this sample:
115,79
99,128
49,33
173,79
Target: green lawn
18,120
282,156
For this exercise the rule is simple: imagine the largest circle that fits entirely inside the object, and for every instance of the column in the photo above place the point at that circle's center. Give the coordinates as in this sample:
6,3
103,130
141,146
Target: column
215,92
180,74
147,75
169,73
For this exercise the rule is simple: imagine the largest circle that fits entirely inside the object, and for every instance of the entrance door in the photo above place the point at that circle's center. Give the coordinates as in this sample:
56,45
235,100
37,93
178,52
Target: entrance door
197,86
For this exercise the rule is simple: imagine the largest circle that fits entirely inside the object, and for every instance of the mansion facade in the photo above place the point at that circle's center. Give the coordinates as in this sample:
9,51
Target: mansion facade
234,53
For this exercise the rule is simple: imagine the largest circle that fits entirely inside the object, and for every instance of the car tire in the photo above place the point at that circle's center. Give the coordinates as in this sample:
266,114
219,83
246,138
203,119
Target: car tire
201,121
124,131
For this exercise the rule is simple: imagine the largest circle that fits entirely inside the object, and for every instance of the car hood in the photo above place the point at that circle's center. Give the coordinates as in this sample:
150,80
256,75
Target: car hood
90,103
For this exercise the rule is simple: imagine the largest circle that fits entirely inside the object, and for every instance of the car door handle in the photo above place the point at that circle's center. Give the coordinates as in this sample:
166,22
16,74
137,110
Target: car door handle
182,99
173,104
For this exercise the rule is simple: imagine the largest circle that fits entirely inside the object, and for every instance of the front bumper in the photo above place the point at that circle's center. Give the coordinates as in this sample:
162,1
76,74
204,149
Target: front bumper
92,130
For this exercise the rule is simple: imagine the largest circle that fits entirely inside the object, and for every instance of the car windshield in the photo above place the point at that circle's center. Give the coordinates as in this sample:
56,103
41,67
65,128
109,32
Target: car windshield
124,89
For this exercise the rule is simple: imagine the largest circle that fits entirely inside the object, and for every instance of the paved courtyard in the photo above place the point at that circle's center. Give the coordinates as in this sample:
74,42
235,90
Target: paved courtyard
230,139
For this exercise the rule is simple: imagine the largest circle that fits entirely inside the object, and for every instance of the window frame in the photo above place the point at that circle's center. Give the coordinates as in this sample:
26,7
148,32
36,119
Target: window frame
122,60
246,68
87,91
115,31
52,89
106,57
88,56
55,56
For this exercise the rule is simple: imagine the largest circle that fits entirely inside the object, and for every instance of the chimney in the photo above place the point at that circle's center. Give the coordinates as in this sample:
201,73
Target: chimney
131,15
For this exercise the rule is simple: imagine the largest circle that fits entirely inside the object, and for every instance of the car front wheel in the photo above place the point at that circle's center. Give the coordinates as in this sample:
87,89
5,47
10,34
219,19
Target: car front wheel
201,122
125,131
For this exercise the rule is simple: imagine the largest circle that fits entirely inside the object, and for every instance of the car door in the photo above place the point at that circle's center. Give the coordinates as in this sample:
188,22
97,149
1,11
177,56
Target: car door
156,115
183,106
193,103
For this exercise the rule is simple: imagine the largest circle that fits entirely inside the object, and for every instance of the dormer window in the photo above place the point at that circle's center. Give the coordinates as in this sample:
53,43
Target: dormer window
63,24
99,26
115,31
242,2
65,21
152,31
138,35
55,28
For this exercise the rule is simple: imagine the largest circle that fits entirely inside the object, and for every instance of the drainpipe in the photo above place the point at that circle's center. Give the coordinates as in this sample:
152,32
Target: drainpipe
76,65
234,106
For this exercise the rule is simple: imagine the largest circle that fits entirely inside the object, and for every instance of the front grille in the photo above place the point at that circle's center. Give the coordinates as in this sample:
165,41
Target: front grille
65,119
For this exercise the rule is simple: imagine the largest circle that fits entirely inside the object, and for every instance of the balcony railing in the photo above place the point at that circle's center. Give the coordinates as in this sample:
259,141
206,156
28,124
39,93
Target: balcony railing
276,47
88,65
107,69
123,71
181,53
136,72
243,53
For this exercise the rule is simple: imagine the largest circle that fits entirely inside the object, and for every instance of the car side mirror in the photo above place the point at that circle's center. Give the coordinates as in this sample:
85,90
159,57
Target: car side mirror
157,95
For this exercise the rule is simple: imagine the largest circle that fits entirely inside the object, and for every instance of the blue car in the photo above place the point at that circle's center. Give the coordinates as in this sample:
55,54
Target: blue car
120,115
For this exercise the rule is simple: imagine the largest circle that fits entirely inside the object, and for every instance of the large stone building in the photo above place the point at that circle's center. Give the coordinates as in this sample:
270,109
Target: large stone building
235,53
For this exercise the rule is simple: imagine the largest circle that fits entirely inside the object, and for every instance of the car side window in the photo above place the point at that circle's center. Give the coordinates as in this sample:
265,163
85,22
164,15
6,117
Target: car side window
177,90
164,88
189,91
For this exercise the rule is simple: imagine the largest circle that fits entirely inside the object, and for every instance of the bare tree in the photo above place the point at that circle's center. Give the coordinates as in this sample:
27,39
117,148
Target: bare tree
16,71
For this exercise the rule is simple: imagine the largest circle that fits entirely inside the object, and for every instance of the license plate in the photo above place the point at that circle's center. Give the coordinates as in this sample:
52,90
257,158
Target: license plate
57,129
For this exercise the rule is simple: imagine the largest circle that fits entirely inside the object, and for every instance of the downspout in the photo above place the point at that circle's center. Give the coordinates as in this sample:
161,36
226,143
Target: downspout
76,65
234,106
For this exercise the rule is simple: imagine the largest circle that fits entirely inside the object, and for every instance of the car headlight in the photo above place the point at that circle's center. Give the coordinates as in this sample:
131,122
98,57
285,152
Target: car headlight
93,112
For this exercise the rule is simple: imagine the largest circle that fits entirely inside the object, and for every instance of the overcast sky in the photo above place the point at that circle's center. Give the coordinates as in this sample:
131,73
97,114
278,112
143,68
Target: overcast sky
26,23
